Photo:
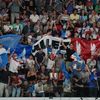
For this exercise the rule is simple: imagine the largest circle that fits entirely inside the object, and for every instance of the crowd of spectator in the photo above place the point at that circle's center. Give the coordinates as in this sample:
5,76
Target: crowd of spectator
40,75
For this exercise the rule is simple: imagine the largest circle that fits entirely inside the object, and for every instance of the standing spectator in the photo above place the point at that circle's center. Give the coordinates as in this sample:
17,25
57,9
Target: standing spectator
69,52
97,7
60,82
43,74
38,4
31,89
94,3
30,63
89,5
93,17
91,62
74,17
39,58
76,69
79,7
70,6
14,64
39,89
51,61
31,75
4,82
64,17
92,84
16,85
14,7
17,27
53,80
83,16
2,4
98,59
34,17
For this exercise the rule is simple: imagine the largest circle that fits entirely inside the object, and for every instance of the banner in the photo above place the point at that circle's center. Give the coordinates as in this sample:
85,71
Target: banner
83,47
49,41
86,48
10,40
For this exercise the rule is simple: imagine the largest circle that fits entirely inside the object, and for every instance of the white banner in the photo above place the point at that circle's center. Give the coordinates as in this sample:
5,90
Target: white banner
46,41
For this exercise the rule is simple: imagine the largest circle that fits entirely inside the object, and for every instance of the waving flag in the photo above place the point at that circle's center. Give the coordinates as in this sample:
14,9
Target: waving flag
75,57
63,68
87,47
23,53
23,50
10,40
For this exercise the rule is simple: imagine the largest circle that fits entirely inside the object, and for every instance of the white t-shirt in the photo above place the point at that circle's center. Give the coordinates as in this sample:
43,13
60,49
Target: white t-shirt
14,66
50,64
34,18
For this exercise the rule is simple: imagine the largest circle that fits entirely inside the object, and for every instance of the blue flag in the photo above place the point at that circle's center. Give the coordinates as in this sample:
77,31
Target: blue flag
23,50
63,68
3,60
75,57
23,54
10,40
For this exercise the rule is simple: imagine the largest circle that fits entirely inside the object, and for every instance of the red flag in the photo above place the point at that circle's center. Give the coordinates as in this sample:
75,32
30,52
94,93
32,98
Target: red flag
87,47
